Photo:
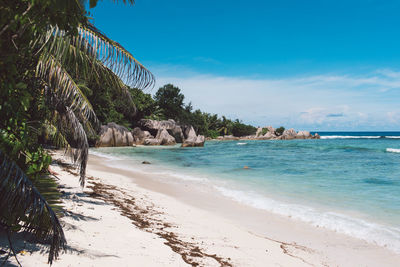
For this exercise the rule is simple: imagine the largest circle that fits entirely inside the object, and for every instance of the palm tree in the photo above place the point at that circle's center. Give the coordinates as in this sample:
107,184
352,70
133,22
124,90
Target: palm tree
225,126
64,57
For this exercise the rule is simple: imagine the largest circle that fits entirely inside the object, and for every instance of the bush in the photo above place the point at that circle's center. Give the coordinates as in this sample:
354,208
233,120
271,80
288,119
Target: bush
264,131
212,133
280,130
239,129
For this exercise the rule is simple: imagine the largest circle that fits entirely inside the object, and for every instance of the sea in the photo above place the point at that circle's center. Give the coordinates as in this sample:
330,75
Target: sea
348,182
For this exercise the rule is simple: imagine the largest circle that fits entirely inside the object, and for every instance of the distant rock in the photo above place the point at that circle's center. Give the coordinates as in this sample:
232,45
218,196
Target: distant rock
289,134
316,136
303,135
146,162
259,131
113,135
230,137
269,135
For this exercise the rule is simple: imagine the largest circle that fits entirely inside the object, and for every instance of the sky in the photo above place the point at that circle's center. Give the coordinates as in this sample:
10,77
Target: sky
320,65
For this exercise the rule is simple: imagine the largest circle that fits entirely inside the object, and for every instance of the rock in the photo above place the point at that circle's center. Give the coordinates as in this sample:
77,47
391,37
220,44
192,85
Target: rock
164,138
177,133
139,136
303,135
112,135
192,140
269,135
153,124
259,131
271,130
248,137
316,136
190,134
146,162
106,138
230,137
152,142
289,134
170,125
198,142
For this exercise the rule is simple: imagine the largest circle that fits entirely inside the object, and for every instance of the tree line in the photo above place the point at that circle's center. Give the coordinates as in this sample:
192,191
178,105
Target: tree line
167,103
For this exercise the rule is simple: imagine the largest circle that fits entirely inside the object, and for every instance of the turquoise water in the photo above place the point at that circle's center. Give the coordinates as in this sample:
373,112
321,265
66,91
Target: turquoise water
347,182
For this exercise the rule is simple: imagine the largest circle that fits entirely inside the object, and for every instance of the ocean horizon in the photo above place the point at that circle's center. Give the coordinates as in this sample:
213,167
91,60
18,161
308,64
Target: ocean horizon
348,182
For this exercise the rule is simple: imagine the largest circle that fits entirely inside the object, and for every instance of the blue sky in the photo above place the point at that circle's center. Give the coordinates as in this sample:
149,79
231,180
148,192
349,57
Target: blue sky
314,65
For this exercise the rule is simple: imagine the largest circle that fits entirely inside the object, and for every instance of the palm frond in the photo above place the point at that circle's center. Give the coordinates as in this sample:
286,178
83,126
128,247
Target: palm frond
79,59
74,132
65,87
116,57
55,136
22,204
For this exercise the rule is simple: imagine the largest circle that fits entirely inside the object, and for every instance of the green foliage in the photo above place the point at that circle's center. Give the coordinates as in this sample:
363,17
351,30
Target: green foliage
51,61
212,134
264,131
225,126
170,99
146,106
280,130
239,129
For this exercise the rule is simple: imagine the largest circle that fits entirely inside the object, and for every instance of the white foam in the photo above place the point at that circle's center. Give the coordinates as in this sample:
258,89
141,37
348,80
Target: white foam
160,172
393,150
103,155
241,144
348,137
384,236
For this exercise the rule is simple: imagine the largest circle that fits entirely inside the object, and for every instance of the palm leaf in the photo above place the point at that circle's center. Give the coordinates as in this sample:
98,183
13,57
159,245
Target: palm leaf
65,87
78,58
22,205
74,132
116,57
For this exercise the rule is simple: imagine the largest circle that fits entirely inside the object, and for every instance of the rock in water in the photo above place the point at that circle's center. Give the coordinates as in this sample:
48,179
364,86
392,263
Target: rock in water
113,134
289,134
192,140
303,135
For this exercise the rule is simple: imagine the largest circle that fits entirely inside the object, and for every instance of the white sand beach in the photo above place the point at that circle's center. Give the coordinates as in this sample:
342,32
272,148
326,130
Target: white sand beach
124,218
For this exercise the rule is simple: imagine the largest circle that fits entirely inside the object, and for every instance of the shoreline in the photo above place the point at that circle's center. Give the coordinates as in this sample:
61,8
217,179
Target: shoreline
334,248
187,225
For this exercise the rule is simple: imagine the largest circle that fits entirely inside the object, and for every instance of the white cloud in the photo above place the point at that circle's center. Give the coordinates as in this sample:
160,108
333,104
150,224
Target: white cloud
313,102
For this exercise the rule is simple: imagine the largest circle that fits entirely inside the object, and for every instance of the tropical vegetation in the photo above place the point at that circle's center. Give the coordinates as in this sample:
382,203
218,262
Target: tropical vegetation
52,62
169,103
